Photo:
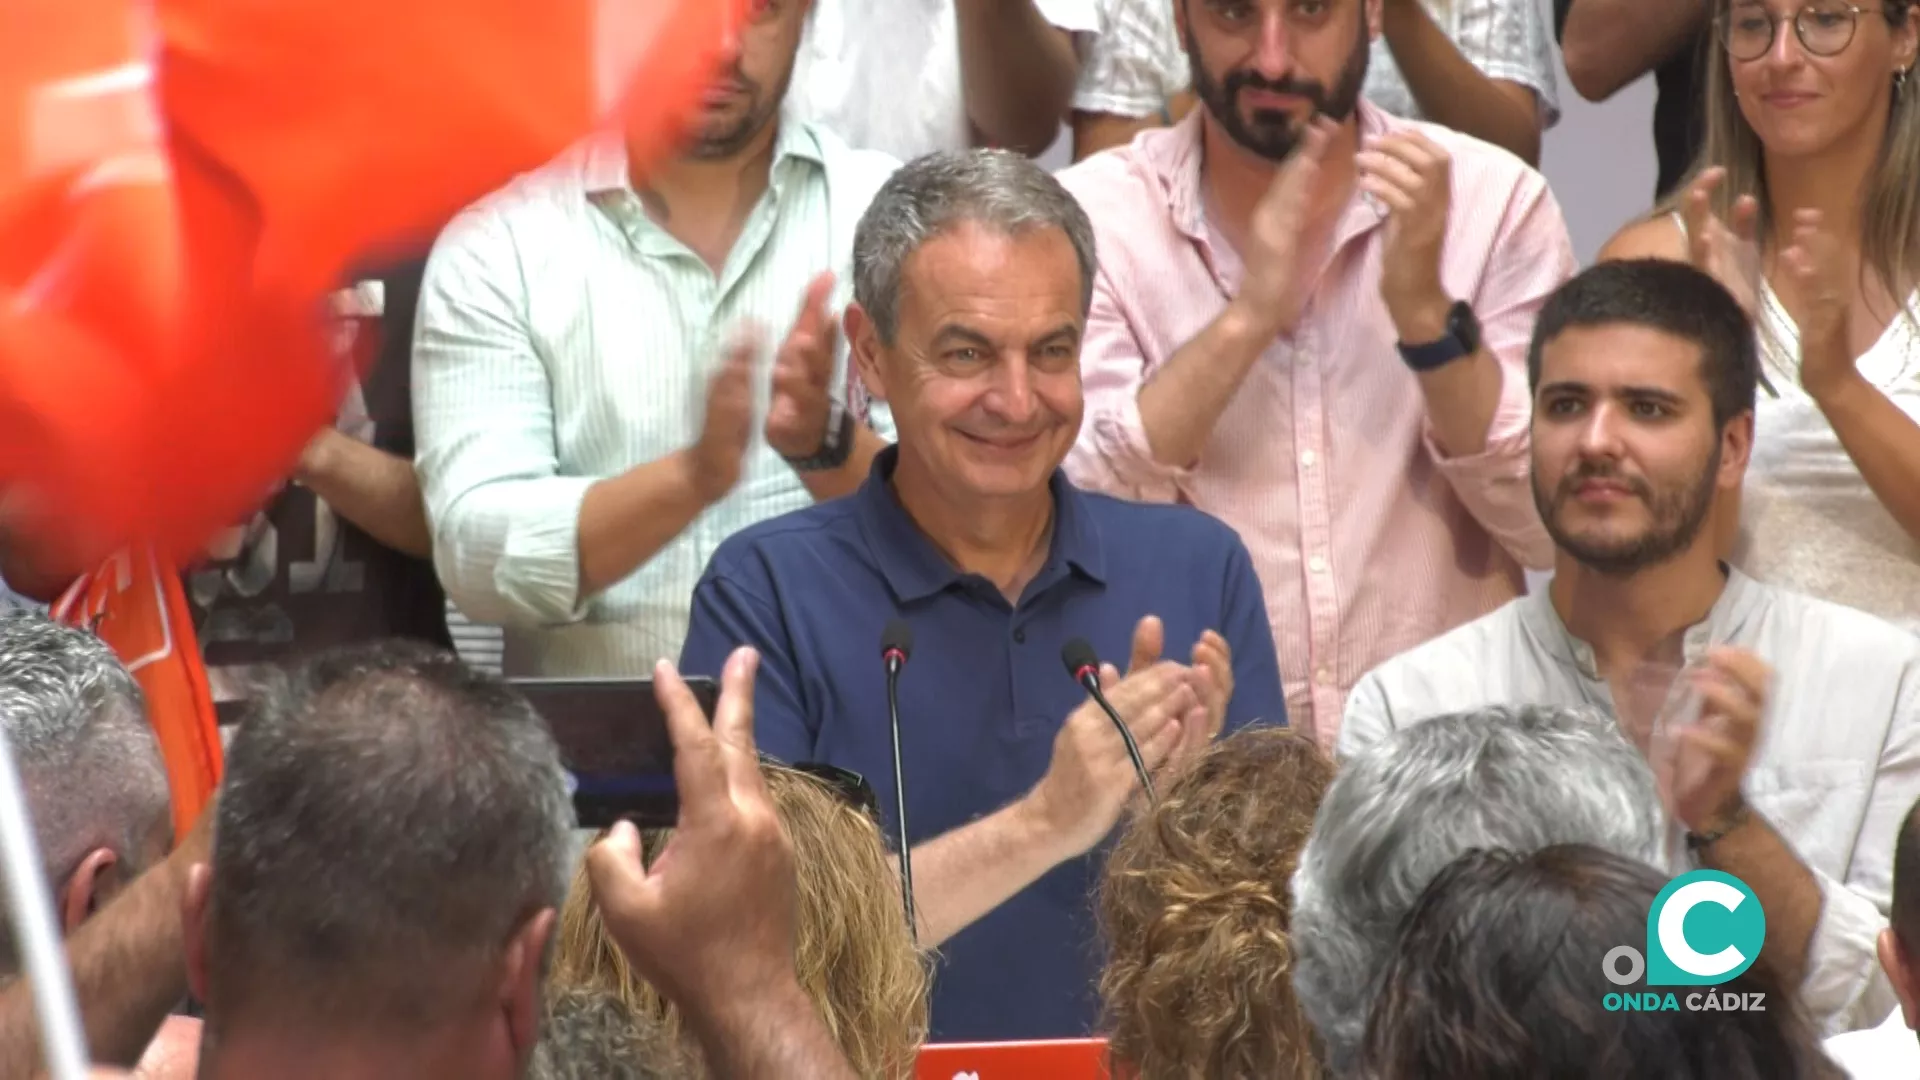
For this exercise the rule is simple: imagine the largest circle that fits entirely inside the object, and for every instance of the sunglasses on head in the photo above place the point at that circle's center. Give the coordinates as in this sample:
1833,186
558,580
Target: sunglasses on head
848,786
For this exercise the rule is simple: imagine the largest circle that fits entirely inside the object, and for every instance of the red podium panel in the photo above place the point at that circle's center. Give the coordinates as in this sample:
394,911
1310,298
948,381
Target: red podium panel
1071,1059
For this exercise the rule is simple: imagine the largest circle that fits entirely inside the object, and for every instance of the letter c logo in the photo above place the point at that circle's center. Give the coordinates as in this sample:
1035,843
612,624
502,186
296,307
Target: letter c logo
1732,924
1673,935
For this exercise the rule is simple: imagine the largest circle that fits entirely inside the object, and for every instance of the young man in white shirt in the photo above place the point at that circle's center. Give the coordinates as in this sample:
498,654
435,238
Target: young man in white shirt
1786,730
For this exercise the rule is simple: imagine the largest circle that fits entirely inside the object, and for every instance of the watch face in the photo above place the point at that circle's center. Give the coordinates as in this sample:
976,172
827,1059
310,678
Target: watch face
1464,325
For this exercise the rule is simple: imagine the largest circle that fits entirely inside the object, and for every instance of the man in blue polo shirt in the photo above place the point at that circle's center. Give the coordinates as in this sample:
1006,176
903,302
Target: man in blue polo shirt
973,274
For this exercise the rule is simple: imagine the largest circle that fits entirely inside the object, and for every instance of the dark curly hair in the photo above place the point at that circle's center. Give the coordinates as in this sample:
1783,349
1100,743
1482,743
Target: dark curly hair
1195,909
1498,976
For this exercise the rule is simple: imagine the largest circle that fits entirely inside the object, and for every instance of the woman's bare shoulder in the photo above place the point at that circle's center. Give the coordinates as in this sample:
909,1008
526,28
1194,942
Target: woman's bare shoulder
1657,236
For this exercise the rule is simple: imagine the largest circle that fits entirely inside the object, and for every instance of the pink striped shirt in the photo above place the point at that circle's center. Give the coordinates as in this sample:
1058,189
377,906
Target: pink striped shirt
1368,541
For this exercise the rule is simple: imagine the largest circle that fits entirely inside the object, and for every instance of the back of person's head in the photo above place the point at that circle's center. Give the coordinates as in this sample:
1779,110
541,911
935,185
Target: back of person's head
89,765
390,847
853,953
1195,912
1498,975
1900,941
1672,298
590,1034
1519,778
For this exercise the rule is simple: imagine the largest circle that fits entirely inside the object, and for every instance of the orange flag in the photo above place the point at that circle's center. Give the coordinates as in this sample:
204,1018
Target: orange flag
135,604
162,278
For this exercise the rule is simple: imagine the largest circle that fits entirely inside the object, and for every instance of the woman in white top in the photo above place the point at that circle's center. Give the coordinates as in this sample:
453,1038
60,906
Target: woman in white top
1806,203
1482,67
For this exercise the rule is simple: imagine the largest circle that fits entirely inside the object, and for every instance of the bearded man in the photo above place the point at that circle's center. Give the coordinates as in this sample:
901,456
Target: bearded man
1310,321
1784,731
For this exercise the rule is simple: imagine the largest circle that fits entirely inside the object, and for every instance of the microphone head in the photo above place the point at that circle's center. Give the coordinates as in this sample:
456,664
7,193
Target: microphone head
1078,656
897,638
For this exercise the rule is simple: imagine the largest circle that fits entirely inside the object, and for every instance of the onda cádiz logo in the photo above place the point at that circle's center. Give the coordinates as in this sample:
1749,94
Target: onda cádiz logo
1704,928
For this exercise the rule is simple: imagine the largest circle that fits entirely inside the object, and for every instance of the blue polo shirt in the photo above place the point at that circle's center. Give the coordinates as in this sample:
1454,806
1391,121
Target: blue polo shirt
982,697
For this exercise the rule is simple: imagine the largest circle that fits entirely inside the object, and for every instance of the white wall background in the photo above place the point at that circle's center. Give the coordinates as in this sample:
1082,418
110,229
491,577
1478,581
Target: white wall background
1599,158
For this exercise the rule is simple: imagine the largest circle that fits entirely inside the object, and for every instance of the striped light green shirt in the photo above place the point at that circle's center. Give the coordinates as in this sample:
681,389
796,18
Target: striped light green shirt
564,338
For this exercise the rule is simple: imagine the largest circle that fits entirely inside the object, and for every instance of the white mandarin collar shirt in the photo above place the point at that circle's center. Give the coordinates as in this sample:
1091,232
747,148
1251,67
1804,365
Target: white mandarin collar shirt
1836,770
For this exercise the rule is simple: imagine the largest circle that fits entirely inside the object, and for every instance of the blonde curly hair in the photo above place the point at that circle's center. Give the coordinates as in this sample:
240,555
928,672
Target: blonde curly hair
854,956
1194,905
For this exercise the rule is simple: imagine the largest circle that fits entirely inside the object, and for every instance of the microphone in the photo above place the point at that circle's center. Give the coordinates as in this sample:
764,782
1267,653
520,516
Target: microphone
1084,665
896,645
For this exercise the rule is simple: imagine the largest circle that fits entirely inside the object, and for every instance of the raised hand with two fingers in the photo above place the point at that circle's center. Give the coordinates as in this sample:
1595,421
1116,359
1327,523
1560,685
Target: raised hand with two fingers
711,922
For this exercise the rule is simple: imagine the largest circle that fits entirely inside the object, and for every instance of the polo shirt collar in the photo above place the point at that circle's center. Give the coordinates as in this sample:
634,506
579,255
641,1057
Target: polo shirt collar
915,569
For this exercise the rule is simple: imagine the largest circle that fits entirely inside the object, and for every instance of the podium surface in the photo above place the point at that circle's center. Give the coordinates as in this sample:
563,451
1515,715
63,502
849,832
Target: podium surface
1067,1059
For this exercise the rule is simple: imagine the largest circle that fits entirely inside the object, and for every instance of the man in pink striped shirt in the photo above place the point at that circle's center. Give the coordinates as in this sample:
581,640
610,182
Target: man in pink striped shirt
1311,321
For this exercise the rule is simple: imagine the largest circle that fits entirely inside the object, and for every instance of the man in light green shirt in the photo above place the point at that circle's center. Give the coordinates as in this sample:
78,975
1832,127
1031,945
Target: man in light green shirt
612,377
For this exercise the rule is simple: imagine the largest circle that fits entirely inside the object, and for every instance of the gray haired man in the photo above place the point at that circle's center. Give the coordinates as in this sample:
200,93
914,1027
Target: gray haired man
94,781
1518,779
972,274
590,1034
391,845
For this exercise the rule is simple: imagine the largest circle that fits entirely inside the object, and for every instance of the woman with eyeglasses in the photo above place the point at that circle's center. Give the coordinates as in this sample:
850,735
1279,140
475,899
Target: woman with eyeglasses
1805,203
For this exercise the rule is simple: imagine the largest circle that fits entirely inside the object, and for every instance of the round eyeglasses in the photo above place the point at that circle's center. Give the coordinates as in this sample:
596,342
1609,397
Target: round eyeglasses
1824,28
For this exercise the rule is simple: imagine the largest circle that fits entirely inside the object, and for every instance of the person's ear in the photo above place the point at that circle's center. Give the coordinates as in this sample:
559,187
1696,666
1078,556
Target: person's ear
863,347
1736,449
1901,973
520,979
1906,42
194,908
91,885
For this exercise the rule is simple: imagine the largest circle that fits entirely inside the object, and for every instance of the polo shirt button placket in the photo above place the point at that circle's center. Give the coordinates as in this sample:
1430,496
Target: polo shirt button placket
1020,637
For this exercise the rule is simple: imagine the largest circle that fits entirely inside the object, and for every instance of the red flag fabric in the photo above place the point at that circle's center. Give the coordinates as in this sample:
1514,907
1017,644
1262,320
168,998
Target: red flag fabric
135,603
161,350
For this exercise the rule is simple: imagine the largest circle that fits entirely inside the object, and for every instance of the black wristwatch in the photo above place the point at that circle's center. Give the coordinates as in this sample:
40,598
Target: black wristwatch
1461,339
1734,818
834,449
